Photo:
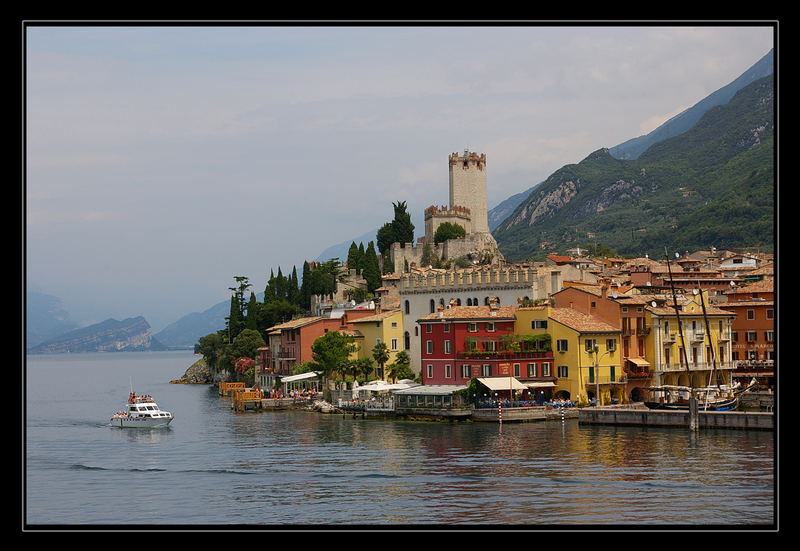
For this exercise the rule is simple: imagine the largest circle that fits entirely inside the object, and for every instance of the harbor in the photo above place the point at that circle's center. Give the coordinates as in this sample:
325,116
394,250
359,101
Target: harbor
636,414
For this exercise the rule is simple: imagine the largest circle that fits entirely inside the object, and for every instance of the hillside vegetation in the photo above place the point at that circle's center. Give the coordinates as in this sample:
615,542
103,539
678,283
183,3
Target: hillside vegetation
712,185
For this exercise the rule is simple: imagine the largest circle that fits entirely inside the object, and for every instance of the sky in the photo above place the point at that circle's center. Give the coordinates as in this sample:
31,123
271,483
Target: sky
162,161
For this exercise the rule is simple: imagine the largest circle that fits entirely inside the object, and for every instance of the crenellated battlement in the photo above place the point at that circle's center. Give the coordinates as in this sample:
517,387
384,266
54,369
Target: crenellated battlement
467,160
520,275
452,211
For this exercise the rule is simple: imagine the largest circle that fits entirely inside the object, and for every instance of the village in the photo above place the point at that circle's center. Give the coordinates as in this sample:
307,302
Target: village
573,330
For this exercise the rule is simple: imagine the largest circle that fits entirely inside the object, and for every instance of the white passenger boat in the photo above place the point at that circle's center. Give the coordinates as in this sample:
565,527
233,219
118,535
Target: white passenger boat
141,411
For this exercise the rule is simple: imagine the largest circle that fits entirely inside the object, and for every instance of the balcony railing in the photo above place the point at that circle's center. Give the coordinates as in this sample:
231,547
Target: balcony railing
693,366
503,355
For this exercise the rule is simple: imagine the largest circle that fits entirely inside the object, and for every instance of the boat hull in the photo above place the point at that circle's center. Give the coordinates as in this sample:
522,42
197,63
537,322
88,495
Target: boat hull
140,422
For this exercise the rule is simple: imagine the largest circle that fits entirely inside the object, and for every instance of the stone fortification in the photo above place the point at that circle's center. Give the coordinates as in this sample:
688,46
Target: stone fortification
468,187
467,209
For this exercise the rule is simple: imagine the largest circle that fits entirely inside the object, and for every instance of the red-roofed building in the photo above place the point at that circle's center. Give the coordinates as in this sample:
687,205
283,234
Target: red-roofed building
462,342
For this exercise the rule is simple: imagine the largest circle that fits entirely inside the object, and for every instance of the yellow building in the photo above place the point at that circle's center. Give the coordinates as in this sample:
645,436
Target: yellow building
708,348
587,360
386,327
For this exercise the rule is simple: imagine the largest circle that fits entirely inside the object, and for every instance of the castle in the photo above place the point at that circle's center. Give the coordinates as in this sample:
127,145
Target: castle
467,209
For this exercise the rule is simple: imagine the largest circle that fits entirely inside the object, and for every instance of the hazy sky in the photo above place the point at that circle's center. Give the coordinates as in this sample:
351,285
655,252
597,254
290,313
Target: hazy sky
163,161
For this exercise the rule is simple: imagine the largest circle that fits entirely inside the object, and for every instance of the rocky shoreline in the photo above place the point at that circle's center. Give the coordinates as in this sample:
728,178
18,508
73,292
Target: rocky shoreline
197,374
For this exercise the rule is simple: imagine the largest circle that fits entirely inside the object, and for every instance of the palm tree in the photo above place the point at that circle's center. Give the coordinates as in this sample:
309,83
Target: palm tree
380,352
401,368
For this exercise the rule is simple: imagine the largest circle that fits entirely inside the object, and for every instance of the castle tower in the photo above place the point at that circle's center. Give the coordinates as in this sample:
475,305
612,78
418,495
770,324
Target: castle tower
468,187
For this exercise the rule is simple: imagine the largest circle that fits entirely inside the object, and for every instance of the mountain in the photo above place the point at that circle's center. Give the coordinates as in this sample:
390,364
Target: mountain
45,318
711,185
682,122
502,211
185,332
132,334
677,125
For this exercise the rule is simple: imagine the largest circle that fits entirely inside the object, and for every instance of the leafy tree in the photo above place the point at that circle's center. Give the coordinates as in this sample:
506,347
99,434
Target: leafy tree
380,353
448,230
331,352
211,347
246,344
401,367
428,258
361,366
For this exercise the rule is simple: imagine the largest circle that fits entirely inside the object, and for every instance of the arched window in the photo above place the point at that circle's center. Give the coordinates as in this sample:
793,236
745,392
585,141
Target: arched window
469,302
408,308
433,306
458,302
407,341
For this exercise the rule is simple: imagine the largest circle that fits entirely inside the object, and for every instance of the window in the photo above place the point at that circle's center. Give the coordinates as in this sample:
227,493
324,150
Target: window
447,373
486,370
447,347
433,306
546,369
490,346
394,344
561,345
539,324
406,340
611,344
408,307
769,336
394,325
472,327
516,370
429,328
751,336
770,314
446,327
563,371
490,326
466,371
430,371
624,309
429,347
751,314
532,370
590,344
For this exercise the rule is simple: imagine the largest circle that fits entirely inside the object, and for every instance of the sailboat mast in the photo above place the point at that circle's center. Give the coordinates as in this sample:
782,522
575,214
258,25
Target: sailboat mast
678,316
708,332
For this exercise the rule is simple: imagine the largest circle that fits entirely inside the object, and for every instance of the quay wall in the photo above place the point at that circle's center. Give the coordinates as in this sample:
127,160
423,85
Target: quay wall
670,418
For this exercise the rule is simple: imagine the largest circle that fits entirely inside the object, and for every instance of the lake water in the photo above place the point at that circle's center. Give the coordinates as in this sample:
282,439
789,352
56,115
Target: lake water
214,467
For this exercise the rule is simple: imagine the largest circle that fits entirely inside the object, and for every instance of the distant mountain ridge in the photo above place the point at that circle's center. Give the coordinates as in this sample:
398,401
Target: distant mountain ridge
711,185
631,149
685,120
132,334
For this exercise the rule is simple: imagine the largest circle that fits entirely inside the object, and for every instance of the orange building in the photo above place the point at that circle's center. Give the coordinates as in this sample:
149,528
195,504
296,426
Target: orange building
626,313
753,330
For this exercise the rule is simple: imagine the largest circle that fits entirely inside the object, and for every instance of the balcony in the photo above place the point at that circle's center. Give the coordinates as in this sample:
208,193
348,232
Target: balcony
504,355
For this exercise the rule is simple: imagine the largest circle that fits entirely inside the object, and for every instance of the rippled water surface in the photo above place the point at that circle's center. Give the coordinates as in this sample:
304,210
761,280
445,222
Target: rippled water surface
216,467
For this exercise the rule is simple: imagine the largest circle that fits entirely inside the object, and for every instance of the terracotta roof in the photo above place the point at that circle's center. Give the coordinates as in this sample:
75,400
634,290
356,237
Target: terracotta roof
763,286
377,317
472,313
581,322
299,322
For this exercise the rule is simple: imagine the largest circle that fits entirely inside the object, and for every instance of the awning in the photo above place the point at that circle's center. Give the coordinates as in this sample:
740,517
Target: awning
300,377
639,361
501,383
549,384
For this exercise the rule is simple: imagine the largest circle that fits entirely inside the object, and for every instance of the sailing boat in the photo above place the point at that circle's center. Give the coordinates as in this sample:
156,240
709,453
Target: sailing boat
717,398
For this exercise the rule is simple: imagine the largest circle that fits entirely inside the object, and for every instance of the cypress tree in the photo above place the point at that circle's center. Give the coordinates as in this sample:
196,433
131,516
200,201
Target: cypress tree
353,258
372,271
